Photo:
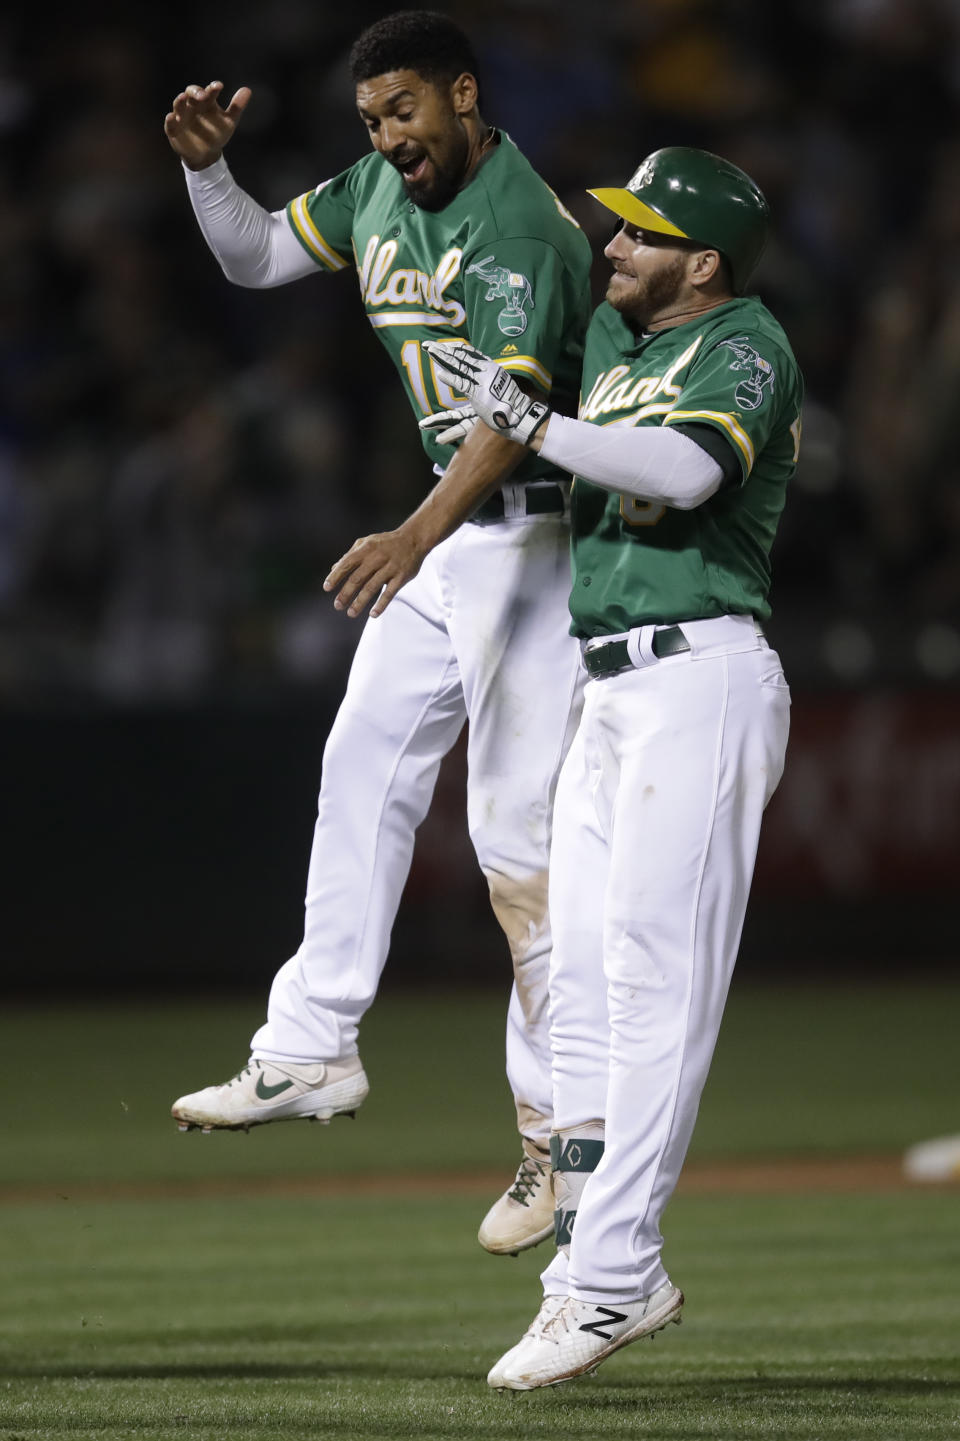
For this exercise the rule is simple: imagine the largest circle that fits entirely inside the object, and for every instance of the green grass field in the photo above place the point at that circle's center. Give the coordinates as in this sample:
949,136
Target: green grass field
301,1281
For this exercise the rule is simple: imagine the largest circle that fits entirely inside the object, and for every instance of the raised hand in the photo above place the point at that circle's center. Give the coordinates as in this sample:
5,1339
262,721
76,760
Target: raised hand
492,391
198,127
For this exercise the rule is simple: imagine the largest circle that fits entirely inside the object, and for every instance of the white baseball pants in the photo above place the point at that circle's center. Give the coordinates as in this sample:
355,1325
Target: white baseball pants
656,826
482,633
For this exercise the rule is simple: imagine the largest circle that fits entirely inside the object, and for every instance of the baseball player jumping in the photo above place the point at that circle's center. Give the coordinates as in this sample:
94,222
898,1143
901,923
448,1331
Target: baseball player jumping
453,237
688,431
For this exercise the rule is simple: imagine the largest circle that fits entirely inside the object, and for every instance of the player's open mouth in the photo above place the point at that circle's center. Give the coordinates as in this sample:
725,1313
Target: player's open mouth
414,168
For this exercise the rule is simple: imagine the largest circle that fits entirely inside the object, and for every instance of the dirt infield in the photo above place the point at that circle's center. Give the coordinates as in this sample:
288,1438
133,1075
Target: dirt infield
749,1177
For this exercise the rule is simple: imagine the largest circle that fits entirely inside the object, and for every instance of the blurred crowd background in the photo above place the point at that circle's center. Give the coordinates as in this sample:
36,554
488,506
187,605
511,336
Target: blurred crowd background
181,460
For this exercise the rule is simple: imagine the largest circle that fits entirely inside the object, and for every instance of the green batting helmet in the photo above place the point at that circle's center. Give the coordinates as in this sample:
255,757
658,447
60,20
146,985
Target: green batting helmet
696,196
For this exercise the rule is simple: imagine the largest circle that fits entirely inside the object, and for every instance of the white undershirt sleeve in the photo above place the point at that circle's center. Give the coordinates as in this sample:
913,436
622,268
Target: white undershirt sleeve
652,462
255,247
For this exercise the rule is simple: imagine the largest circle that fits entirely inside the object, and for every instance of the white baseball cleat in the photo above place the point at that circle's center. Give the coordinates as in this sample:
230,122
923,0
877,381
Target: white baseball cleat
935,1160
523,1216
548,1309
577,1335
275,1091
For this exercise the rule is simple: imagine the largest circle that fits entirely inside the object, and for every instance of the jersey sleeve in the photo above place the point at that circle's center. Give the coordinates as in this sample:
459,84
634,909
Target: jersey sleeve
322,221
518,308
734,387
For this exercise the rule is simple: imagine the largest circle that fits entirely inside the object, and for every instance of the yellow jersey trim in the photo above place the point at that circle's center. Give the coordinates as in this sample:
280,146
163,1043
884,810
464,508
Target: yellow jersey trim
726,421
529,365
380,318
303,224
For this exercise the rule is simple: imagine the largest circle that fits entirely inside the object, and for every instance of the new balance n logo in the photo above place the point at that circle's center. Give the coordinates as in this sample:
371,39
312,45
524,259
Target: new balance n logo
608,1318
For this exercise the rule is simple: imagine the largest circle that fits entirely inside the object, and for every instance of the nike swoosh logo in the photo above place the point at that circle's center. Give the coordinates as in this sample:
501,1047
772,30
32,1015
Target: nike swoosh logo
266,1093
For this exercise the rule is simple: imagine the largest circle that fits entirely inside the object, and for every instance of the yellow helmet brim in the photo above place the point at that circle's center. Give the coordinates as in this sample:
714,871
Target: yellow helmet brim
625,204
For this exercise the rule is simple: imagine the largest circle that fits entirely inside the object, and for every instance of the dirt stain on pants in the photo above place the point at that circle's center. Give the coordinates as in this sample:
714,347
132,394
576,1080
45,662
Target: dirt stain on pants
520,907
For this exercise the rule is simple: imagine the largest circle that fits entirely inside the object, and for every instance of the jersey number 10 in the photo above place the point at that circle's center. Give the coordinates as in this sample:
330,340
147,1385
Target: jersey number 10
411,358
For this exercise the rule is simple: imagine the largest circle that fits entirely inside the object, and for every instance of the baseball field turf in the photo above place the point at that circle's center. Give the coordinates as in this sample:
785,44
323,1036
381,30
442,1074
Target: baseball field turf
309,1281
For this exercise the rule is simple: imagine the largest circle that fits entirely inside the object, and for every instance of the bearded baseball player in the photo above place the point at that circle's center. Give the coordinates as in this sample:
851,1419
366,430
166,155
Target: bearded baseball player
688,432
453,236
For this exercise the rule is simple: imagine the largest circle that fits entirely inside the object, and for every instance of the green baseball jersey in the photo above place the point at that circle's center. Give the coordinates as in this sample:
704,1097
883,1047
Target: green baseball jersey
504,265
637,562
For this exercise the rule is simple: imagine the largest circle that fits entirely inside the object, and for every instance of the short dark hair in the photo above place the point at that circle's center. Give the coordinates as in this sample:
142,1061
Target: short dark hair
421,40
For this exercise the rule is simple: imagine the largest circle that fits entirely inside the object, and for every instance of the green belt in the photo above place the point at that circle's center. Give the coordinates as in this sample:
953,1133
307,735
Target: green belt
538,500
614,656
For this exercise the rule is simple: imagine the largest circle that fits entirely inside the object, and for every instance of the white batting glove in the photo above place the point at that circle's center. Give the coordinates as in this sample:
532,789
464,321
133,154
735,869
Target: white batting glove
449,426
492,391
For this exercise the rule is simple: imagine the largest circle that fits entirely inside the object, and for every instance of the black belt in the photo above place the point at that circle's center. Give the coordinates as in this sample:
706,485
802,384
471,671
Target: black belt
538,500
614,656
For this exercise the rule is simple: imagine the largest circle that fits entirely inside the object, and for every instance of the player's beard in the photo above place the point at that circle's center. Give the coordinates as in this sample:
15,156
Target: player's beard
447,171
649,300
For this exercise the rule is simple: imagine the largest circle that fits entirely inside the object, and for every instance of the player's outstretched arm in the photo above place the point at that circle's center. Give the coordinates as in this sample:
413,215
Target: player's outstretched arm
653,462
376,566
198,126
